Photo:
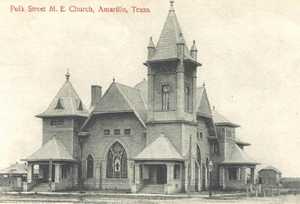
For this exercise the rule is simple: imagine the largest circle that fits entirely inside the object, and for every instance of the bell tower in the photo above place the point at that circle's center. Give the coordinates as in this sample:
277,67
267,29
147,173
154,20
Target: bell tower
172,75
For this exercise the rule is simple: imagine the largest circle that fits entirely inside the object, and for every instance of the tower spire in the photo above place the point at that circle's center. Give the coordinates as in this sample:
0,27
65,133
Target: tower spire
171,5
67,75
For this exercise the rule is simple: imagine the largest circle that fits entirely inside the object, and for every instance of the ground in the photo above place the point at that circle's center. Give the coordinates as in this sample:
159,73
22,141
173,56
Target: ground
64,198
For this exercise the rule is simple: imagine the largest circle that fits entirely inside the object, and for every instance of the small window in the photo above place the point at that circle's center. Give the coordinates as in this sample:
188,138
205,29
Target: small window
127,131
106,131
57,122
90,166
232,172
80,106
165,89
117,132
59,104
215,147
176,171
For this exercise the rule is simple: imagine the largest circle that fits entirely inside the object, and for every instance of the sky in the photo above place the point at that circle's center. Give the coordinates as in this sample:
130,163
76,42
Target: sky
250,51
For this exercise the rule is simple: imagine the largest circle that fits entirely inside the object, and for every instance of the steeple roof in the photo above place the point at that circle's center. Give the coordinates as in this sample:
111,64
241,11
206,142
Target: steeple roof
171,35
65,103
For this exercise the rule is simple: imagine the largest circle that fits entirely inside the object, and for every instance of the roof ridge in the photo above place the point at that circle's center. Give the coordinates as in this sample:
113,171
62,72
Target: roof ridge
130,104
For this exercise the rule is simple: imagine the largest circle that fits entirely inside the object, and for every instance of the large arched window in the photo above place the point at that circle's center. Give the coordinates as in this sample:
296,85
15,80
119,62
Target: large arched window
90,166
116,166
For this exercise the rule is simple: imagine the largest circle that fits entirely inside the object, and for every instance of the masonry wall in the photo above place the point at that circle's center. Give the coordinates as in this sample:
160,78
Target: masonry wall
62,132
98,144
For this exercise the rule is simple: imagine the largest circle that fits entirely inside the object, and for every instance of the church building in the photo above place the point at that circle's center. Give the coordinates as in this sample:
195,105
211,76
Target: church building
160,136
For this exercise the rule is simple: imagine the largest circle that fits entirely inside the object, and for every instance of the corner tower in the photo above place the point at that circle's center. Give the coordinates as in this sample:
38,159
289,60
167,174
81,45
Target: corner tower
172,72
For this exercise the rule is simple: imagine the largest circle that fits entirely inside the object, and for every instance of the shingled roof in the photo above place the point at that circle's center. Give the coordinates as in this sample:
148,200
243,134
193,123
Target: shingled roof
121,98
171,34
160,149
238,156
221,120
17,168
65,103
52,150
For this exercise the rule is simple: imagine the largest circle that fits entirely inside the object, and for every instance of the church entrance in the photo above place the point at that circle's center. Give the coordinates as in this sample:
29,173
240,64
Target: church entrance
155,174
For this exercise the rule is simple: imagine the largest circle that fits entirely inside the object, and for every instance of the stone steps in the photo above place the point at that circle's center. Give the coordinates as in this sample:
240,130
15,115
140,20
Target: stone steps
41,187
152,189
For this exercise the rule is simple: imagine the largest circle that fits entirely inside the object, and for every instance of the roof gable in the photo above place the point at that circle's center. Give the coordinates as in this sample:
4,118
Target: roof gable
237,156
159,149
65,103
52,150
203,108
121,98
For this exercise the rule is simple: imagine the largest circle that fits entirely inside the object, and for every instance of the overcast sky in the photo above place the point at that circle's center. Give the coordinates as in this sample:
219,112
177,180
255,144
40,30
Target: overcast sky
250,51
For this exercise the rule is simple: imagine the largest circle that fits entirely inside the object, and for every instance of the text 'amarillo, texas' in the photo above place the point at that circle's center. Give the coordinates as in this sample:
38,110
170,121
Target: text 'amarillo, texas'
77,9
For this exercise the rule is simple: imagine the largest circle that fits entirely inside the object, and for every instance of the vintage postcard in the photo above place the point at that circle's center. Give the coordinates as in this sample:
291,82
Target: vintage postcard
147,101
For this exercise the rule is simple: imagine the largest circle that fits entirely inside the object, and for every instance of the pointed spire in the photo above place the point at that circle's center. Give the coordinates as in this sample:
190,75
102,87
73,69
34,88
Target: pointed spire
67,75
180,39
151,48
194,50
151,43
171,6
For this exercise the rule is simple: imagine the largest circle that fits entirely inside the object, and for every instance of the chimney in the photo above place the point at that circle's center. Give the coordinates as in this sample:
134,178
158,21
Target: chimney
96,92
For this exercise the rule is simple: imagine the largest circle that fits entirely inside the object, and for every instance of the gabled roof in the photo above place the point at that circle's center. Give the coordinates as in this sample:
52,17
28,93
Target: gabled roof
52,150
203,106
221,120
65,103
171,34
237,156
121,98
160,149
17,168
270,168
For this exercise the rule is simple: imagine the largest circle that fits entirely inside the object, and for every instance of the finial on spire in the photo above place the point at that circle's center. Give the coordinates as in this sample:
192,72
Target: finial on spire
151,43
67,75
172,5
114,80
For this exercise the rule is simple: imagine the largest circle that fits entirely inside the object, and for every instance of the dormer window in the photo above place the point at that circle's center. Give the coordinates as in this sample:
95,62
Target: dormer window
59,104
80,107
165,89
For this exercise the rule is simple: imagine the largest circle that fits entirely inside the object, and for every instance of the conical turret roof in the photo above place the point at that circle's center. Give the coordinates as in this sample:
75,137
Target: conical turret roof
65,103
171,35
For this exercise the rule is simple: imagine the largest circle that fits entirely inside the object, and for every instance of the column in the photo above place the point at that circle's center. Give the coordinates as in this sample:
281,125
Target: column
57,170
137,174
75,174
224,177
29,173
186,180
50,171
252,175
170,178
194,94
180,92
150,94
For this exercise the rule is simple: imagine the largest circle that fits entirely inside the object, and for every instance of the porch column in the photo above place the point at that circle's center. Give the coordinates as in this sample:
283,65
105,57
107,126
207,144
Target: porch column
50,171
137,174
131,172
29,173
170,173
252,175
57,169
223,177
75,174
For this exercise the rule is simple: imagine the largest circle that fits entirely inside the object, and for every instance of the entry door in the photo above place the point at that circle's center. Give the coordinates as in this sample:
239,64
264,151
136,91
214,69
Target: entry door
161,174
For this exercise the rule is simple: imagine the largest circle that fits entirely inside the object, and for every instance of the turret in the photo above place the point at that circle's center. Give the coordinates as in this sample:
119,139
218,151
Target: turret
194,51
151,48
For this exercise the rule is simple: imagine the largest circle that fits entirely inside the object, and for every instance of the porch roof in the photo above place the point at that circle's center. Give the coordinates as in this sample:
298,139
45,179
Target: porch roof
52,150
17,168
237,156
160,149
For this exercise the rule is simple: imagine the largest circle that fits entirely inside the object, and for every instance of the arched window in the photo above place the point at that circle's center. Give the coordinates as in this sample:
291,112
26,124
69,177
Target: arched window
187,98
116,166
90,167
198,155
165,89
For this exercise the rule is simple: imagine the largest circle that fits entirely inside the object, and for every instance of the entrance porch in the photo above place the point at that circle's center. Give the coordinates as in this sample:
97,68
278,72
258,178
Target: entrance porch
51,176
158,177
